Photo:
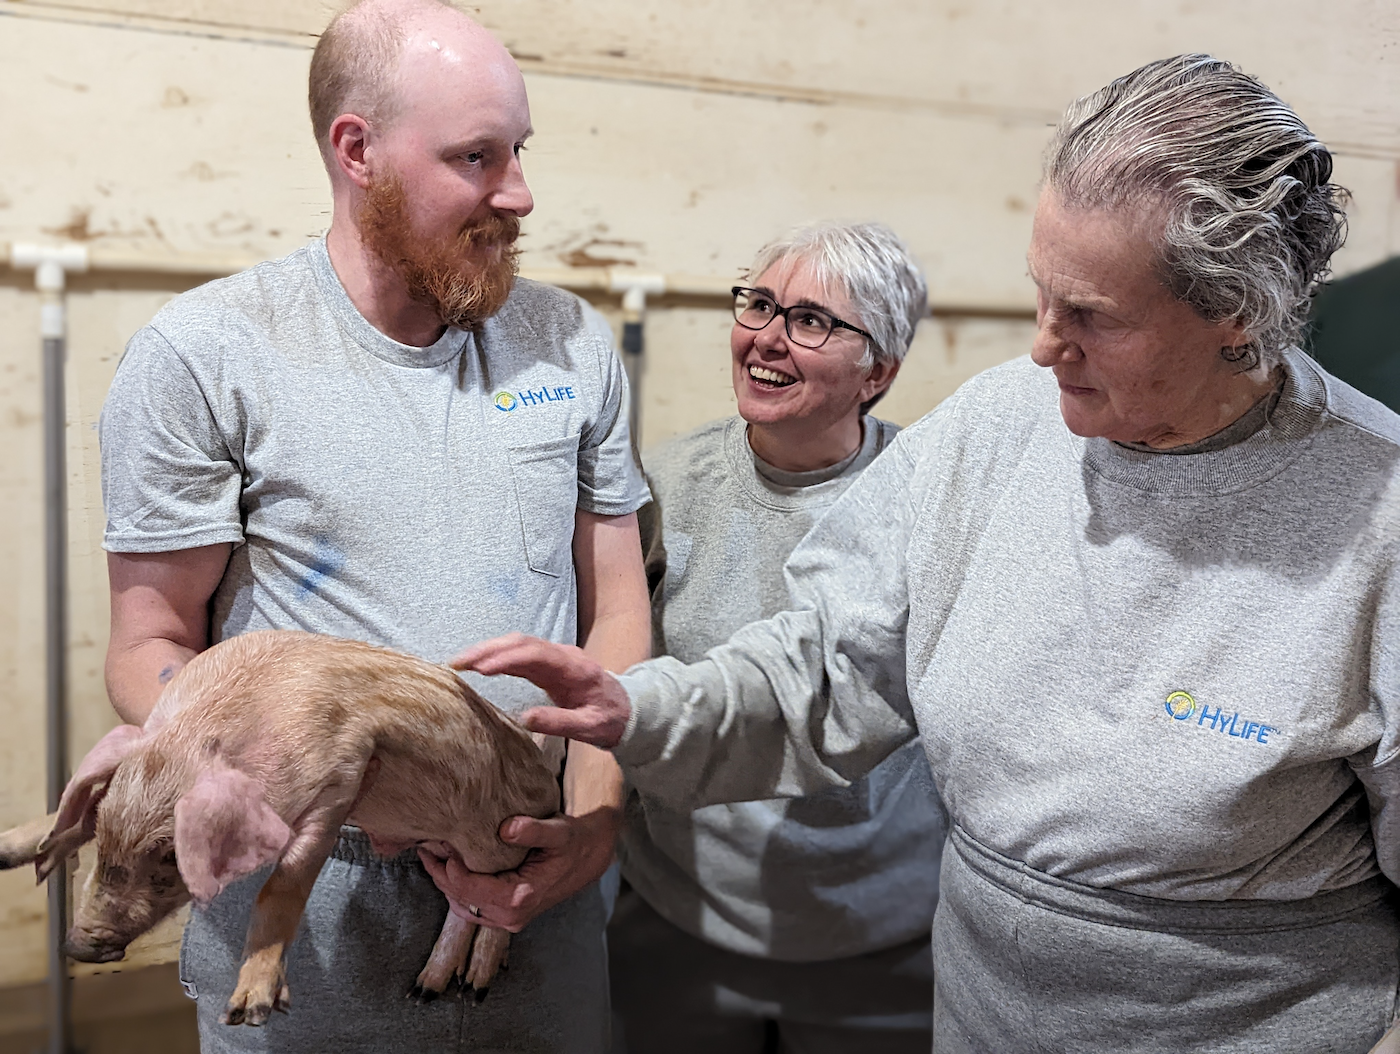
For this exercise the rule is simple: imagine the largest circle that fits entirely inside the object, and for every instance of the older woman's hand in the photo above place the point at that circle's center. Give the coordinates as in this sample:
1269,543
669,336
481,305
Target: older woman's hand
594,707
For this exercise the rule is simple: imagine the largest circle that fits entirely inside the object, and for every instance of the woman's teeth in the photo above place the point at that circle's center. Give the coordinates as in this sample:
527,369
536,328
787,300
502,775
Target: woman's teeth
758,373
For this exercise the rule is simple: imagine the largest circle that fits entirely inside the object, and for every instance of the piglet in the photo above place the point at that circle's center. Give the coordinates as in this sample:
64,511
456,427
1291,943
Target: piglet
257,752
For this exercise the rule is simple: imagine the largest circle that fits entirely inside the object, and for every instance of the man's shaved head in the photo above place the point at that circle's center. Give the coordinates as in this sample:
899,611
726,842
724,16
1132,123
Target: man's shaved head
355,67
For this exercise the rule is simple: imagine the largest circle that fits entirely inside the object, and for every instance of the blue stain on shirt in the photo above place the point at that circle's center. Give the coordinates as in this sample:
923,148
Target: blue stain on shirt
325,563
504,588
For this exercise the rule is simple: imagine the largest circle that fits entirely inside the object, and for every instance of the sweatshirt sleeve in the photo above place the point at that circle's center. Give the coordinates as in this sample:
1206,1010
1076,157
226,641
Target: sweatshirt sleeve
1381,777
814,697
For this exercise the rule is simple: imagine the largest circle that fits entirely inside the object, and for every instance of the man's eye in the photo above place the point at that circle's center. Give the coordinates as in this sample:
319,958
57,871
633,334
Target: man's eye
759,304
474,157
520,148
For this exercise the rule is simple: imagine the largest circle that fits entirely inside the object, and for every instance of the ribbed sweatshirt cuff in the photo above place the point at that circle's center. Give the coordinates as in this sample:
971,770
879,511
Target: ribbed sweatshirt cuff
651,719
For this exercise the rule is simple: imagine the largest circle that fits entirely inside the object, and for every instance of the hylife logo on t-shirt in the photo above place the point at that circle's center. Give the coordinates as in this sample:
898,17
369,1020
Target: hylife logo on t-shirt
1182,706
508,401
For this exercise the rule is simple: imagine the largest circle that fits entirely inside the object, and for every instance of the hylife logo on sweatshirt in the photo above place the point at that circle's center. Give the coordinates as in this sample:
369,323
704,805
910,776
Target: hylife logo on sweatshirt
508,401
1182,706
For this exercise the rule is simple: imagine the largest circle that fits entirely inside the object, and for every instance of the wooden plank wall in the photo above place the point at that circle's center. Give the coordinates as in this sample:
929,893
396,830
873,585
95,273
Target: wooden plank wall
671,137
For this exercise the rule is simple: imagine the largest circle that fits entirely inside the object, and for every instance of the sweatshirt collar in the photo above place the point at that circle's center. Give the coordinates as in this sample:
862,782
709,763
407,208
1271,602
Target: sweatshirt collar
1275,444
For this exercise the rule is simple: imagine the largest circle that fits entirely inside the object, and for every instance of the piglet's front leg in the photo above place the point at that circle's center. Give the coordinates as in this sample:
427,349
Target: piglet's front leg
262,980
449,959
21,845
489,953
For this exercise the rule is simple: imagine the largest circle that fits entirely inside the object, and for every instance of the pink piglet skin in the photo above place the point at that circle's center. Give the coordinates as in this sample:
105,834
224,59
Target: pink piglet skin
256,754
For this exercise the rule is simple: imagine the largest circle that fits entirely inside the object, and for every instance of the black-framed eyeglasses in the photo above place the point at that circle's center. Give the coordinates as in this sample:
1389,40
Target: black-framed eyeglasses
807,326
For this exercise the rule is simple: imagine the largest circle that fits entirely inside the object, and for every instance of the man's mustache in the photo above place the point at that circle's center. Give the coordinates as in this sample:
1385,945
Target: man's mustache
492,231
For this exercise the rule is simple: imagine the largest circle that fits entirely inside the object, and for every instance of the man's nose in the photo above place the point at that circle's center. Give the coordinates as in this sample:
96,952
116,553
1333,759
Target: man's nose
512,194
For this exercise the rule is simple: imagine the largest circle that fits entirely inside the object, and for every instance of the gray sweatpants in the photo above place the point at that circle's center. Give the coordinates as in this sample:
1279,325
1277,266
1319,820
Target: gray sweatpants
677,994
367,931
1030,964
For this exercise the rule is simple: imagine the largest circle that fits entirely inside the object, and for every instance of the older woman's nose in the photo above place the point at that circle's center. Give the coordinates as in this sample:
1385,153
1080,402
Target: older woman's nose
1051,345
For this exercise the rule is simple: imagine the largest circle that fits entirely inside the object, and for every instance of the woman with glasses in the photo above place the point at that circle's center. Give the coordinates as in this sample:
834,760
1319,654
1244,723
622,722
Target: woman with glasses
801,921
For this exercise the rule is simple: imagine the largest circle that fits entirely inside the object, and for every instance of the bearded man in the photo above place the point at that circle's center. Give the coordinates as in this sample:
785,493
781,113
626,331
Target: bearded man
387,436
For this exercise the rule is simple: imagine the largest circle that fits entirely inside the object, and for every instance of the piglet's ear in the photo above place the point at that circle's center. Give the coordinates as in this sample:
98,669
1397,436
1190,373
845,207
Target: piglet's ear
76,819
224,830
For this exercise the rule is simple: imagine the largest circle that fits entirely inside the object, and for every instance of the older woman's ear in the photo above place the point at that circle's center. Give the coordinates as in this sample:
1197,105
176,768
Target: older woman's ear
1237,345
878,380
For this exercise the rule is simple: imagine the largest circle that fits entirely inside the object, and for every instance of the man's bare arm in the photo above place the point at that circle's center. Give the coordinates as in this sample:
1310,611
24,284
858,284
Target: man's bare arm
614,620
160,620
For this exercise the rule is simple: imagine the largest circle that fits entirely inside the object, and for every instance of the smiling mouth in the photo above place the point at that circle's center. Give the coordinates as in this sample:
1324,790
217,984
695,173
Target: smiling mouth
770,378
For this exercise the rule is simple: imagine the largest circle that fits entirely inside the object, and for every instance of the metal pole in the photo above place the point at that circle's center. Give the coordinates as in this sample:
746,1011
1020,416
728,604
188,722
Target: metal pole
49,279
632,362
634,290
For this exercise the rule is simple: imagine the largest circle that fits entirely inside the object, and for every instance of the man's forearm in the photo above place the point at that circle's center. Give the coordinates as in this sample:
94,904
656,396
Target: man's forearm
137,673
592,779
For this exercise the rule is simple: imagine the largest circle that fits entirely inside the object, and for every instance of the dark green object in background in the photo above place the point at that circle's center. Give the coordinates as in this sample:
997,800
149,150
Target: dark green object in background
1355,331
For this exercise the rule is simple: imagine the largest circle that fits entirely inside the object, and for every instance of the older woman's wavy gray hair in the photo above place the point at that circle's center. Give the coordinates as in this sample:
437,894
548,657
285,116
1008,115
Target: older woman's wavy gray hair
1250,218
872,266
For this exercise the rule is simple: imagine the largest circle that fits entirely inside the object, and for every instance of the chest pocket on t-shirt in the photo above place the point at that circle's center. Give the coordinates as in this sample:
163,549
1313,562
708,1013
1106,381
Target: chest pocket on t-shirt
546,490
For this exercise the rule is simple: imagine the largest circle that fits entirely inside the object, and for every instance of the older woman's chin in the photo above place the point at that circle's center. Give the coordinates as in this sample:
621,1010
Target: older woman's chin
1085,415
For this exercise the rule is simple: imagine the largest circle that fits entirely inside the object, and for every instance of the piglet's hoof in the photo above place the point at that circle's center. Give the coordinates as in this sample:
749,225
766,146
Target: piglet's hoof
422,994
259,993
245,1012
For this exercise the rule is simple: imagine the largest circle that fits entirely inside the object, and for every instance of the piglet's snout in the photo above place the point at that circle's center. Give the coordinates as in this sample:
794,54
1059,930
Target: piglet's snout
93,946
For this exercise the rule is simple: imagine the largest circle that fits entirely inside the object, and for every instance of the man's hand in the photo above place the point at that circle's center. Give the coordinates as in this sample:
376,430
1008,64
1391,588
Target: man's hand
566,854
595,706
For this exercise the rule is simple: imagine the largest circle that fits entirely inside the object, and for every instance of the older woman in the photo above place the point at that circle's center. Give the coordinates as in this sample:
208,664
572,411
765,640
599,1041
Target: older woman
1142,596
810,916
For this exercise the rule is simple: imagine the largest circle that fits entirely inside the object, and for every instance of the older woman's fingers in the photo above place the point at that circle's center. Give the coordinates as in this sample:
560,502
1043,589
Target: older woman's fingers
569,676
468,658
594,725
554,667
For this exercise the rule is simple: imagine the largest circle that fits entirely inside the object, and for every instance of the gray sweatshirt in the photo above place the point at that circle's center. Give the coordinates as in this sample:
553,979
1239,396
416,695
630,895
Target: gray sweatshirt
1172,675
845,871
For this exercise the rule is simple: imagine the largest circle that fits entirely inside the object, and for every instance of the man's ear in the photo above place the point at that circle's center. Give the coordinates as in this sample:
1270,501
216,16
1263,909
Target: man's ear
224,830
76,819
348,137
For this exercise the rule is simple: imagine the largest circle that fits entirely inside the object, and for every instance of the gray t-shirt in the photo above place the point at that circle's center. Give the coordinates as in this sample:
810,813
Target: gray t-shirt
845,871
419,498
1172,675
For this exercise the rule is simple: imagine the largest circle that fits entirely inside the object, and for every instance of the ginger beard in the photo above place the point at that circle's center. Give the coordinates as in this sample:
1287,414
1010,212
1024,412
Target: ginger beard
465,277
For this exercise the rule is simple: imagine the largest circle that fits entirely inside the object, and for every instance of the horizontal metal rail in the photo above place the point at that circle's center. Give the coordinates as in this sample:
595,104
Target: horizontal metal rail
612,280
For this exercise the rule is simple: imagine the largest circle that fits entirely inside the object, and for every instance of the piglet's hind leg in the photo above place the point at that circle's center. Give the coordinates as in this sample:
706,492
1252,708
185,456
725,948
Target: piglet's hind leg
448,960
488,956
262,980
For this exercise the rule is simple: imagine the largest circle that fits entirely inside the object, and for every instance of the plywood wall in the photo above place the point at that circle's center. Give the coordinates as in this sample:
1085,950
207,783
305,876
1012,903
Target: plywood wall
672,137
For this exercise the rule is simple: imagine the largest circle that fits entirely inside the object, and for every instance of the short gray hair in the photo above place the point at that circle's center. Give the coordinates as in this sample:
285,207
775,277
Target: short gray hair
869,263
1250,218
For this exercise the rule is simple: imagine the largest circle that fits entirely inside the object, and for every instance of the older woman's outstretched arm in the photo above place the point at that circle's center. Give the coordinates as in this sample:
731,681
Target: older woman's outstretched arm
811,698
1380,770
